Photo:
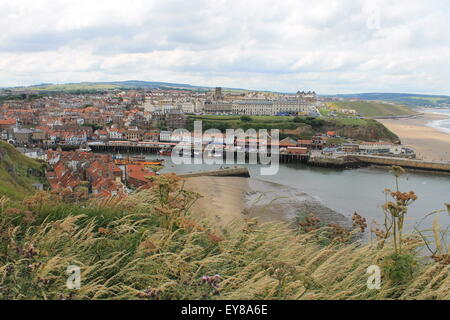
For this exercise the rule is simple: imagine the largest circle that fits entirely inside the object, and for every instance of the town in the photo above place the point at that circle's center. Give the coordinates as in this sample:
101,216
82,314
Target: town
63,129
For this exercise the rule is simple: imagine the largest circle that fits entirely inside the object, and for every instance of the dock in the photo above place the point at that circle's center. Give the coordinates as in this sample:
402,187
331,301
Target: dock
348,161
405,163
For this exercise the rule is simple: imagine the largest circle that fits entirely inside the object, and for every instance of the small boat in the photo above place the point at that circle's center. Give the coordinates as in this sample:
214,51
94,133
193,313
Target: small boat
165,152
118,156
124,162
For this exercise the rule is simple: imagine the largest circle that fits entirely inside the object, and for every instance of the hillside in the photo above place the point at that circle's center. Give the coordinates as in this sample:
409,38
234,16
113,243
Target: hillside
118,85
150,247
372,108
410,100
18,173
301,127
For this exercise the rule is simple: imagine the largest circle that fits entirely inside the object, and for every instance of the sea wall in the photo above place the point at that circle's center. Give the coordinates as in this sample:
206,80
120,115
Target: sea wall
229,172
407,163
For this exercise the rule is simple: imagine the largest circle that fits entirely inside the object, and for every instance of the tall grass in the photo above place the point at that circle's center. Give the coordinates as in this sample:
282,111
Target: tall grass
149,247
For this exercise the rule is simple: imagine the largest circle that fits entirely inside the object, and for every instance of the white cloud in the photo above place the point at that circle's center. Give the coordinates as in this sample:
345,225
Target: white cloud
326,45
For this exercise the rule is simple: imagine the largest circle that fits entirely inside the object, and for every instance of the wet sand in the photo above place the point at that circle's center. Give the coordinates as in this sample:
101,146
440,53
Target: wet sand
429,143
227,200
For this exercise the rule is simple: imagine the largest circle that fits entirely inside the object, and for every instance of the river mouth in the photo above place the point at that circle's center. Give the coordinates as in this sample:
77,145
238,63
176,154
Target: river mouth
269,201
343,191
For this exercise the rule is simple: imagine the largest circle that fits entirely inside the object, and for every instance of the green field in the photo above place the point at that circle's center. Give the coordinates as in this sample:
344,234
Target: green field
372,108
300,127
18,173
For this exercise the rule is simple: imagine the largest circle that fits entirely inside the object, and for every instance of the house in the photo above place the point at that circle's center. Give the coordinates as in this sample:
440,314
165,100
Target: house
297,150
115,134
6,124
305,143
102,134
176,121
350,147
39,135
318,142
151,136
133,134
165,136
22,136
137,175
288,142
375,147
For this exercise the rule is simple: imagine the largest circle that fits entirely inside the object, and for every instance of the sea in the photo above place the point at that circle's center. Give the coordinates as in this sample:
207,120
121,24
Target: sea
442,125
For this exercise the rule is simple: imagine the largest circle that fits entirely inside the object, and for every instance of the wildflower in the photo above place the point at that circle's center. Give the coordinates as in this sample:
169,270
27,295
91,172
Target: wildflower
397,171
150,293
213,281
359,221
29,217
104,231
13,211
214,238
147,245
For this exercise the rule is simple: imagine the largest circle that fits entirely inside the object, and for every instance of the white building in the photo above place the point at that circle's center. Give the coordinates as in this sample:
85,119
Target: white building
269,107
375,147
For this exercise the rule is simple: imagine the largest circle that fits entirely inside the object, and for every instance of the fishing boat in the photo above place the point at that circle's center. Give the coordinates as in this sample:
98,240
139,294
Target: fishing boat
165,152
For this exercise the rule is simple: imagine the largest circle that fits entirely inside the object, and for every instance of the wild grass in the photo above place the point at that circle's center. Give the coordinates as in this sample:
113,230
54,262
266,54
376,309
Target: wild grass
149,247
18,173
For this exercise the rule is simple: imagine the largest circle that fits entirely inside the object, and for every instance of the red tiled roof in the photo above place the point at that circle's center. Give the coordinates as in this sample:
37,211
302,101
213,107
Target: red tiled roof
8,121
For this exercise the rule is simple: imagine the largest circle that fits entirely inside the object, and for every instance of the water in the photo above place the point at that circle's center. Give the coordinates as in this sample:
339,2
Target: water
441,125
347,191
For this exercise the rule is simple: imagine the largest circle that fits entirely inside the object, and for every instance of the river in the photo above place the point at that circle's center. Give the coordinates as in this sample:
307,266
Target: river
347,191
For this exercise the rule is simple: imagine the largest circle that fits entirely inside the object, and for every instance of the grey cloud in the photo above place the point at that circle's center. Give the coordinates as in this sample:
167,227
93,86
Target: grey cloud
328,44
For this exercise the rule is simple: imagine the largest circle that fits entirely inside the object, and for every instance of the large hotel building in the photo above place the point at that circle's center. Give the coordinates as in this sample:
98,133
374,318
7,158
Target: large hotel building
263,107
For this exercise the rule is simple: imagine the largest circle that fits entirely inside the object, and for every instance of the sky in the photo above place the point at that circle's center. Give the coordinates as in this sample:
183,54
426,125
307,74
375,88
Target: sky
329,46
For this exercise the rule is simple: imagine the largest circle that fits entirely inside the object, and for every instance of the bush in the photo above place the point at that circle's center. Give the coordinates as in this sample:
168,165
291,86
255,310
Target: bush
246,118
399,268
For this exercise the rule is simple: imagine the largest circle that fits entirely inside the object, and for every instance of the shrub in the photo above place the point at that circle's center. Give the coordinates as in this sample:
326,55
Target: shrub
246,118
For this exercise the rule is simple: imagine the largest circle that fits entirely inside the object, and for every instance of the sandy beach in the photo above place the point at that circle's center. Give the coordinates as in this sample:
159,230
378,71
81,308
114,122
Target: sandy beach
222,200
429,143
228,200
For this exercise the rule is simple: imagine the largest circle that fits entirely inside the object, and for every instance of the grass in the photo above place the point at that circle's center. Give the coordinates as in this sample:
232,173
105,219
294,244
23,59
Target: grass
300,127
18,173
150,247
372,108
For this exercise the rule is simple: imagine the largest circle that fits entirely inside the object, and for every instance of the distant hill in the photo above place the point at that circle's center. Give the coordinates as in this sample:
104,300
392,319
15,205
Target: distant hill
373,108
410,100
130,84
18,173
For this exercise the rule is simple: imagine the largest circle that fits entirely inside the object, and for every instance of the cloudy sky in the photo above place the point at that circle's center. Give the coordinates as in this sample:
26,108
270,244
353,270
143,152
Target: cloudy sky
323,45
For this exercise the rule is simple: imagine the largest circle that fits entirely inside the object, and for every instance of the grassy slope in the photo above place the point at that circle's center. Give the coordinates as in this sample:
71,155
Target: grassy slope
147,247
359,129
16,172
373,108
410,100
